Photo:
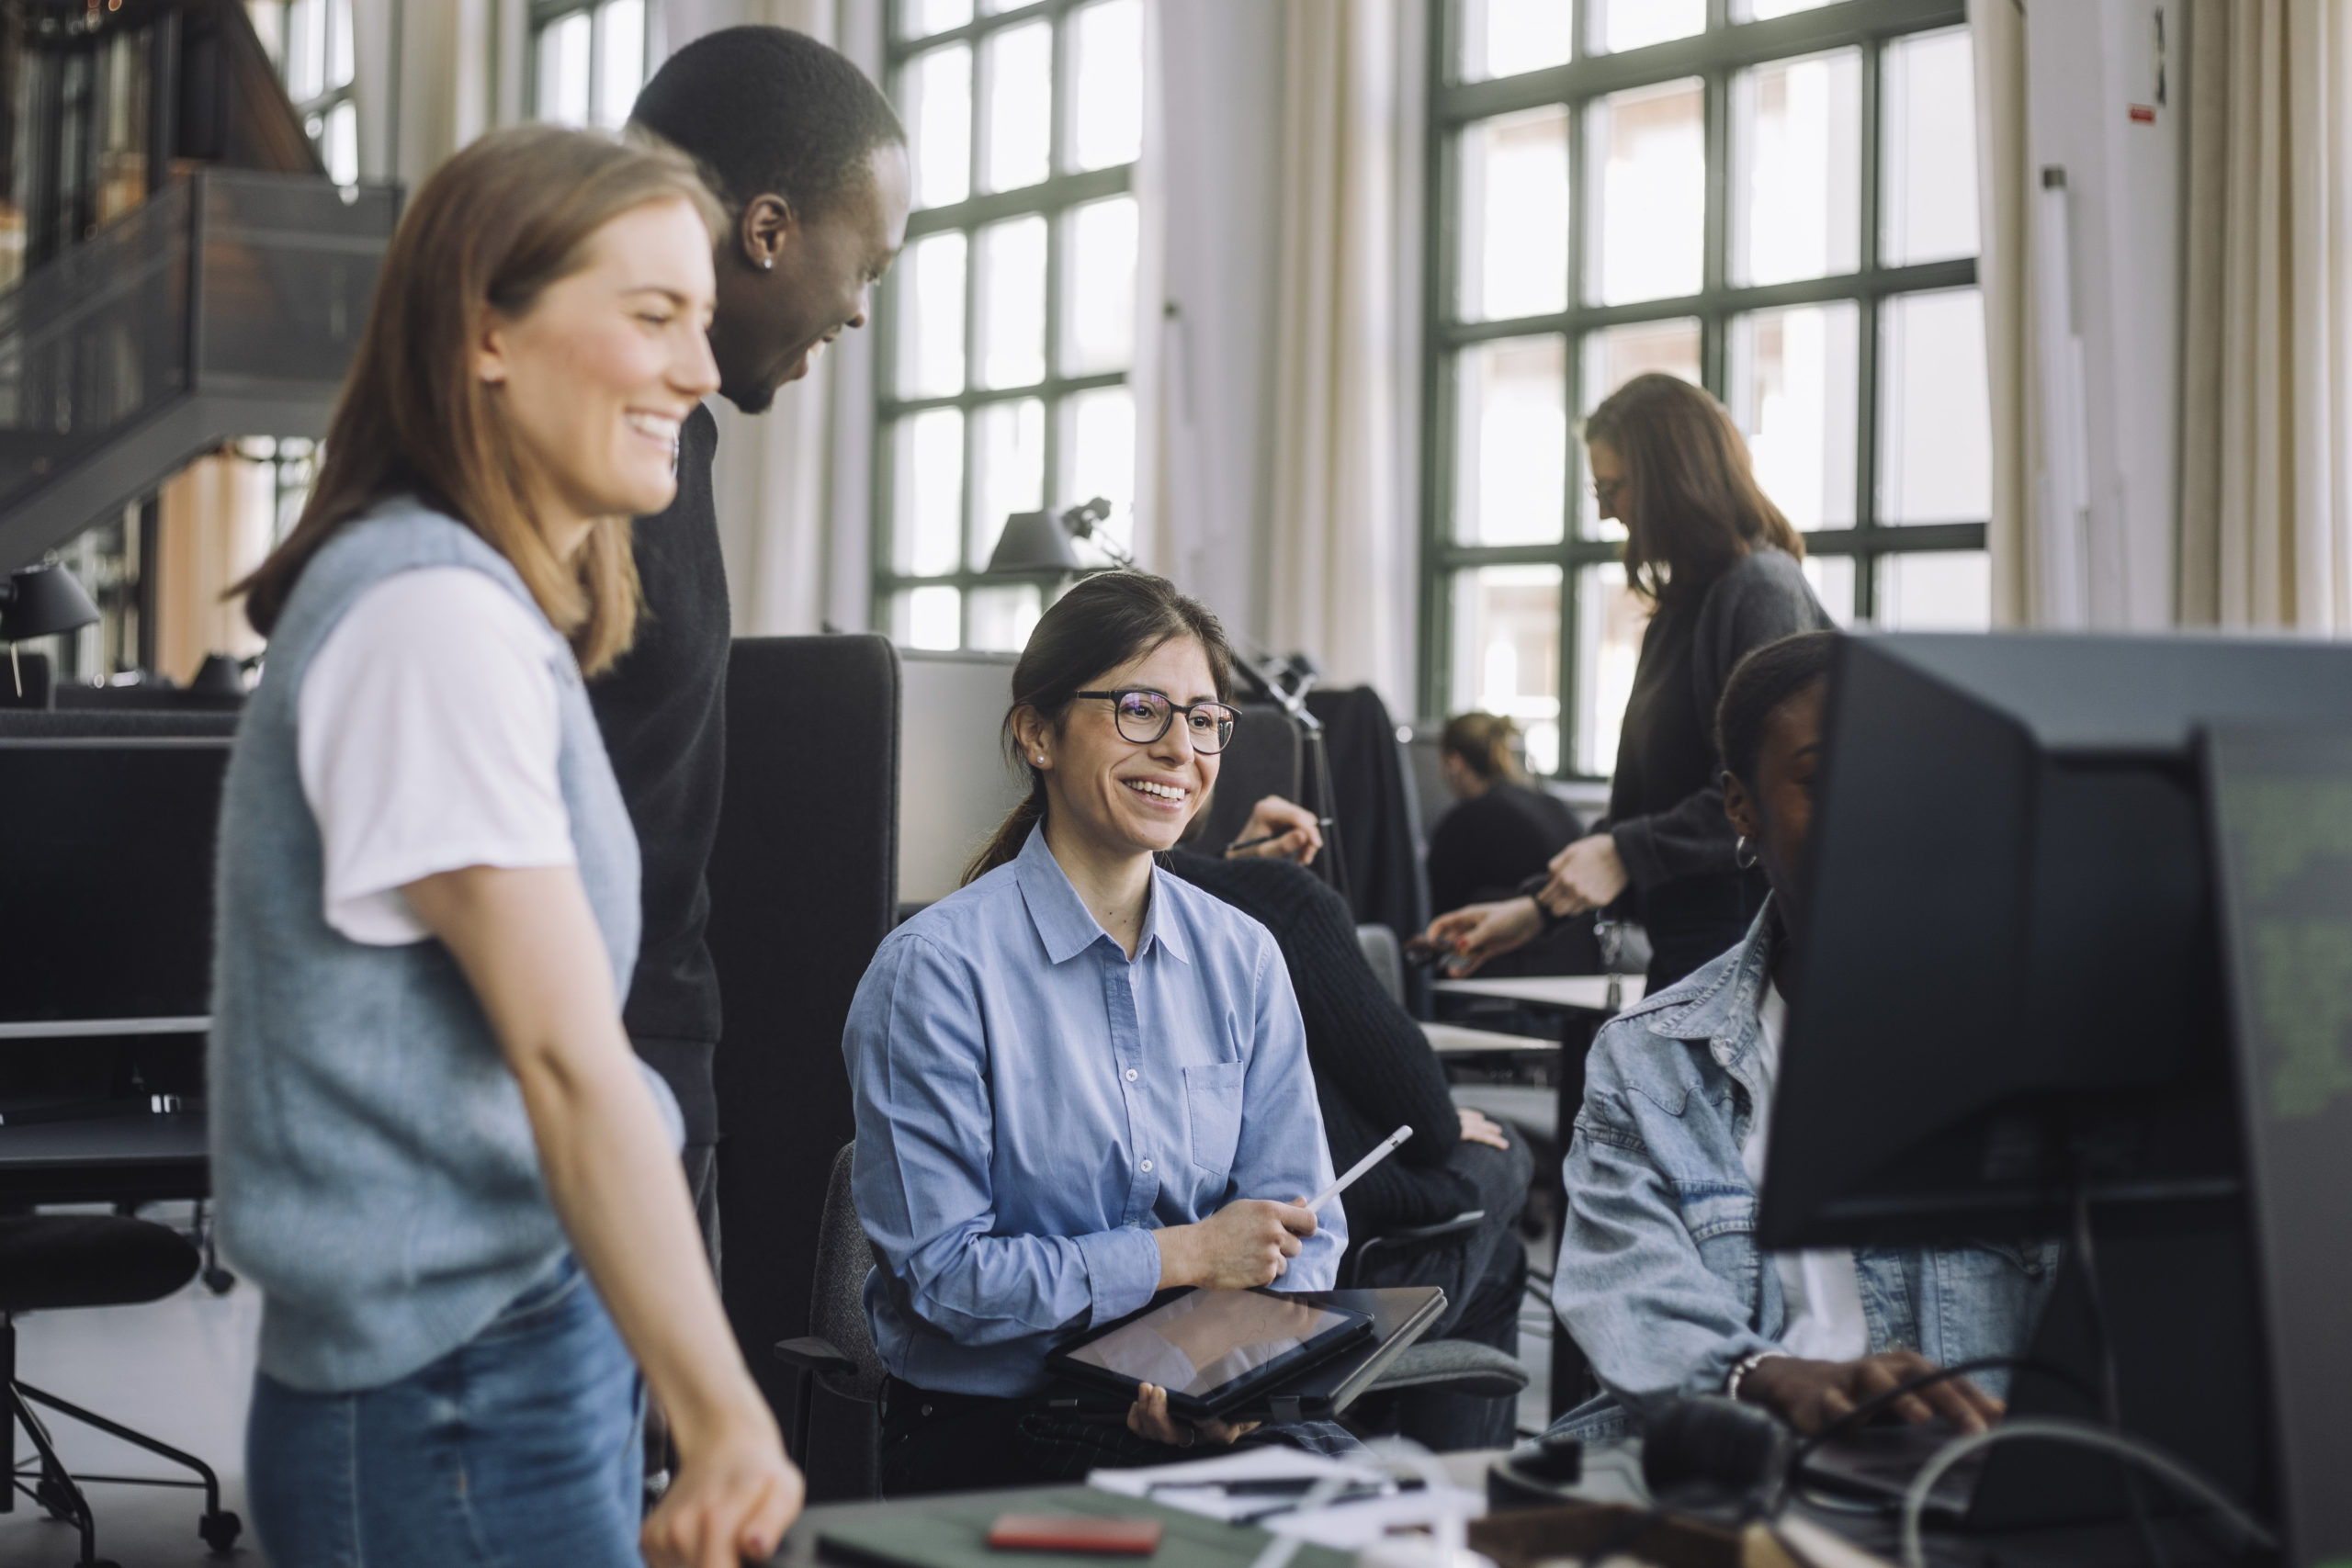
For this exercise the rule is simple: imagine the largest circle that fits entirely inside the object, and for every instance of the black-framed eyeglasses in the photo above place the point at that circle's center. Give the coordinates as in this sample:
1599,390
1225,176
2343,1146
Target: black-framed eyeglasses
1143,716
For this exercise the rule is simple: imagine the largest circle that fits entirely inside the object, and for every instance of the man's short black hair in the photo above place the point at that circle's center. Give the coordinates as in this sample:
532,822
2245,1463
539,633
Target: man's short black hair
767,110
1759,683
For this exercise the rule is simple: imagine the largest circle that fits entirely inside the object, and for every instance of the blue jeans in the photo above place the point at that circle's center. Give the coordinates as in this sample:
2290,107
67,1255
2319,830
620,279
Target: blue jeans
520,1446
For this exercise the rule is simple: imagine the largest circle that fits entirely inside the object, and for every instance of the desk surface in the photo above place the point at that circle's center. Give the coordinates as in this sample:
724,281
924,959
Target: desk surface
132,1158
1453,1040
1572,993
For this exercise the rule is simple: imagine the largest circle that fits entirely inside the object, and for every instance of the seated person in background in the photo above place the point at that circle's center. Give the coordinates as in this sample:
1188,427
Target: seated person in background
1501,831
1374,1073
1078,1080
1498,841
1659,1279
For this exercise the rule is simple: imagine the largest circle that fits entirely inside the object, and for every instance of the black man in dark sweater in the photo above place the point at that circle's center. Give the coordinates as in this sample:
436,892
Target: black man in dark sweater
1374,1072
810,163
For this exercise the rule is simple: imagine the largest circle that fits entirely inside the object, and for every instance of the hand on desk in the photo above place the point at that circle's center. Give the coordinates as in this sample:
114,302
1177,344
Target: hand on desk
1250,1242
1476,933
1809,1395
1150,1416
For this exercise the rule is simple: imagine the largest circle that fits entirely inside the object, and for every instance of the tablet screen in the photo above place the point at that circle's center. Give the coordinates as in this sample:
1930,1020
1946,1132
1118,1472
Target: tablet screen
1204,1339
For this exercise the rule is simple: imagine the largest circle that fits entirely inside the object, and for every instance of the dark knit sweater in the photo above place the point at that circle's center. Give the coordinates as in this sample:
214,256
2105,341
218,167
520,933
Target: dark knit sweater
1374,1068
663,712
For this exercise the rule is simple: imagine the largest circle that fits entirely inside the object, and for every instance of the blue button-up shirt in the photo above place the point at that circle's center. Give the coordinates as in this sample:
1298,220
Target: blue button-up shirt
1032,1104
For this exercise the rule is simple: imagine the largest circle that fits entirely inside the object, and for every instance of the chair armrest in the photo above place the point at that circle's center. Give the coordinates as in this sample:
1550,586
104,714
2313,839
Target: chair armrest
1467,1220
814,1356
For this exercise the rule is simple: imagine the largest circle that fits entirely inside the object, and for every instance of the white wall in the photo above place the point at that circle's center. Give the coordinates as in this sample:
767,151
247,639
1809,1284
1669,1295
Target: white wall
2089,61
1221,183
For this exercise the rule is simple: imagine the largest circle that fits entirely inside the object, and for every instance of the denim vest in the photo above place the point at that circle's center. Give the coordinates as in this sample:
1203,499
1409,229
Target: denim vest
1660,1281
374,1165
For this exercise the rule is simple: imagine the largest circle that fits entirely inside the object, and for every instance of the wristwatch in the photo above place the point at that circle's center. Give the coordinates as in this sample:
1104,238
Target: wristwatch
1747,1364
1530,889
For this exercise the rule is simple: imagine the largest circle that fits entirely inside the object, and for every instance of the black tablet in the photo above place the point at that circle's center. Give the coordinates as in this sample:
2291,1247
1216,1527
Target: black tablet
1211,1350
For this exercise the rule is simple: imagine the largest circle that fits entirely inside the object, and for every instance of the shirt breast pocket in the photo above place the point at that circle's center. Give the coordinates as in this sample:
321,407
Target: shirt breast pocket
1213,1106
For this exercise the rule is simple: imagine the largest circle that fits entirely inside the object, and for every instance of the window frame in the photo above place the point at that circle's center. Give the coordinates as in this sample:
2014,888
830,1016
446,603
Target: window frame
320,110
545,14
1715,57
1052,199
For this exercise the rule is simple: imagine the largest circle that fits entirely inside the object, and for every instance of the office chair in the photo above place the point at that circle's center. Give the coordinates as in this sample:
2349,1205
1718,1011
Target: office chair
55,1262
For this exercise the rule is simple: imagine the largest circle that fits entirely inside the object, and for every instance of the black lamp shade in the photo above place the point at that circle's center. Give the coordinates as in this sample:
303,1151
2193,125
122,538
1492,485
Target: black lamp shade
41,600
1033,544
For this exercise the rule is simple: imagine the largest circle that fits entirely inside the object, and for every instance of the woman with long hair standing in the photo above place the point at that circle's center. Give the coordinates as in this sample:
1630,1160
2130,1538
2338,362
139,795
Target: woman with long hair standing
1717,564
423,1108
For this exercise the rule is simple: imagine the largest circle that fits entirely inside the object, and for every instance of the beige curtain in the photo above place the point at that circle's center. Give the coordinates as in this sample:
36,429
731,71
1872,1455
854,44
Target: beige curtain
2005,186
1341,557
2266,529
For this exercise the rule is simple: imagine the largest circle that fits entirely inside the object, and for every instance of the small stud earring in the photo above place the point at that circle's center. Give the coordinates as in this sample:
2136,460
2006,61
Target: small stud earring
767,264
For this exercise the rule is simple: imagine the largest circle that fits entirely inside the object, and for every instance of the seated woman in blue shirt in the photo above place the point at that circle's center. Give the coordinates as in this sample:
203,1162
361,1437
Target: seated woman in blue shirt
1659,1279
1079,1080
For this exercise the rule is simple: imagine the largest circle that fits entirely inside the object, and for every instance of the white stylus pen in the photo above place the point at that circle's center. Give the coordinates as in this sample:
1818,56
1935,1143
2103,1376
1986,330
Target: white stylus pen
1357,1169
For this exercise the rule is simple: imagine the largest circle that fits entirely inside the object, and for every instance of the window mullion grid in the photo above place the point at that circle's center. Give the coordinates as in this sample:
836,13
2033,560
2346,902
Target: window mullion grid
1567,763
1867,317
1441,248
1057,238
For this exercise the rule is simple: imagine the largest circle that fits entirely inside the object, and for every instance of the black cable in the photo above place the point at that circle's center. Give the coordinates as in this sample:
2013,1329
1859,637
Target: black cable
2111,1383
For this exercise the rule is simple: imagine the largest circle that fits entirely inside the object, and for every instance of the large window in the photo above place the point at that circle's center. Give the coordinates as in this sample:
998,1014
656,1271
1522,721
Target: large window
311,42
1007,326
1775,199
587,61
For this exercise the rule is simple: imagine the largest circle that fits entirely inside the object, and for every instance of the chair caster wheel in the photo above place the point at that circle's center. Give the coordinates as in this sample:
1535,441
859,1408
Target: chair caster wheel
220,1530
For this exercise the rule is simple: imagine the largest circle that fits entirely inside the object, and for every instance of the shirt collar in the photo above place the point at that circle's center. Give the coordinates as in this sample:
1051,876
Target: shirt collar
1064,924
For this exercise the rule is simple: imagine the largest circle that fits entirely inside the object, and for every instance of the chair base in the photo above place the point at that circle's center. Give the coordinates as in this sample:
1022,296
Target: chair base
45,1479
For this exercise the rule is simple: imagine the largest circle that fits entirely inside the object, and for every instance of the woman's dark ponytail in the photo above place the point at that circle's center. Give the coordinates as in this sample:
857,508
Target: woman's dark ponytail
1107,620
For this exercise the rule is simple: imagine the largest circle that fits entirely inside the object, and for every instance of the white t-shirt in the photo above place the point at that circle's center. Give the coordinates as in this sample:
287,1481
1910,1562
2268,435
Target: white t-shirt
427,734
1823,1293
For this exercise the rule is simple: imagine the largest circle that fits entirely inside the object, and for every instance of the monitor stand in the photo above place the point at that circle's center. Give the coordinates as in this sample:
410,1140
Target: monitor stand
2177,1285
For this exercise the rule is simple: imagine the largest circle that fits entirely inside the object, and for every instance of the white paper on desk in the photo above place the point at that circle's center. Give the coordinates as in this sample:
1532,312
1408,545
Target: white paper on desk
1352,1526
1190,1485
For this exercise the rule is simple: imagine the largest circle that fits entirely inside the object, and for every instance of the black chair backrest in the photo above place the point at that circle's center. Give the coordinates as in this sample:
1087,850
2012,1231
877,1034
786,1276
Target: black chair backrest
1267,757
803,885
837,1300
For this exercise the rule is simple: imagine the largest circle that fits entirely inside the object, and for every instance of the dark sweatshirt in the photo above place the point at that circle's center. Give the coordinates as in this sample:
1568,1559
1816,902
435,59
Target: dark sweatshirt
1485,846
663,712
1374,1068
1666,807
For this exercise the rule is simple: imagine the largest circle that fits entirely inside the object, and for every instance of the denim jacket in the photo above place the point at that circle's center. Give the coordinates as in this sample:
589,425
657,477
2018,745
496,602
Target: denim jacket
1659,1278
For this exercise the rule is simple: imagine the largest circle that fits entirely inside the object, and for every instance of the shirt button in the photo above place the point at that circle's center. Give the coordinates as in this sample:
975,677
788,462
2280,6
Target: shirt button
1131,1074
1146,1168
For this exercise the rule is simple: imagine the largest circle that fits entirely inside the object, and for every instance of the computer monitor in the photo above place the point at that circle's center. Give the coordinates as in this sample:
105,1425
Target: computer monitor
106,883
2015,992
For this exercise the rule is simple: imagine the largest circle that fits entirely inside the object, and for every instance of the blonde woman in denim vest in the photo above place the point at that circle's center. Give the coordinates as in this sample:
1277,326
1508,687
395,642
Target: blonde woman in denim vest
433,1149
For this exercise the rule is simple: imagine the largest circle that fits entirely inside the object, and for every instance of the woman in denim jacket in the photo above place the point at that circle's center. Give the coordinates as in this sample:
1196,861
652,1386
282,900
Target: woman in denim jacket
1660,1278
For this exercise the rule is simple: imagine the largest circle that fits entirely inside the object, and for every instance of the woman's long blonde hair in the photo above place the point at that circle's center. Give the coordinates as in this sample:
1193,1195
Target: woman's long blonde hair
495,226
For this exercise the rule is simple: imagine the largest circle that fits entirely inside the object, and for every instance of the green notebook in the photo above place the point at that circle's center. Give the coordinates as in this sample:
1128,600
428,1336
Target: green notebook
952,1532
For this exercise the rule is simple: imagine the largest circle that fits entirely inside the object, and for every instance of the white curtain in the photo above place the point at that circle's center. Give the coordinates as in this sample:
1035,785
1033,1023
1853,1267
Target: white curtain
2266,534
2004,163
1342,558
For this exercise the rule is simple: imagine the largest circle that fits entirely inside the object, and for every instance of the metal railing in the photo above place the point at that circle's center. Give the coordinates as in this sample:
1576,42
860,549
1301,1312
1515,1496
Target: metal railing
245,292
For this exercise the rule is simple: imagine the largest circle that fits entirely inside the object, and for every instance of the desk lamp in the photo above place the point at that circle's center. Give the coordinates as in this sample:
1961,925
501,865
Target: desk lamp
40,600
1037,544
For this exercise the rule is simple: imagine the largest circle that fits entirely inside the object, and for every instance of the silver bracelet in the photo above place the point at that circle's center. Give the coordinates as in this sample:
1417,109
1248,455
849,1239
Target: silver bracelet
1747,1364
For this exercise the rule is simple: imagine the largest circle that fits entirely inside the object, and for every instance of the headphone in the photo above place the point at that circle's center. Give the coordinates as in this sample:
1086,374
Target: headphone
1720,1445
